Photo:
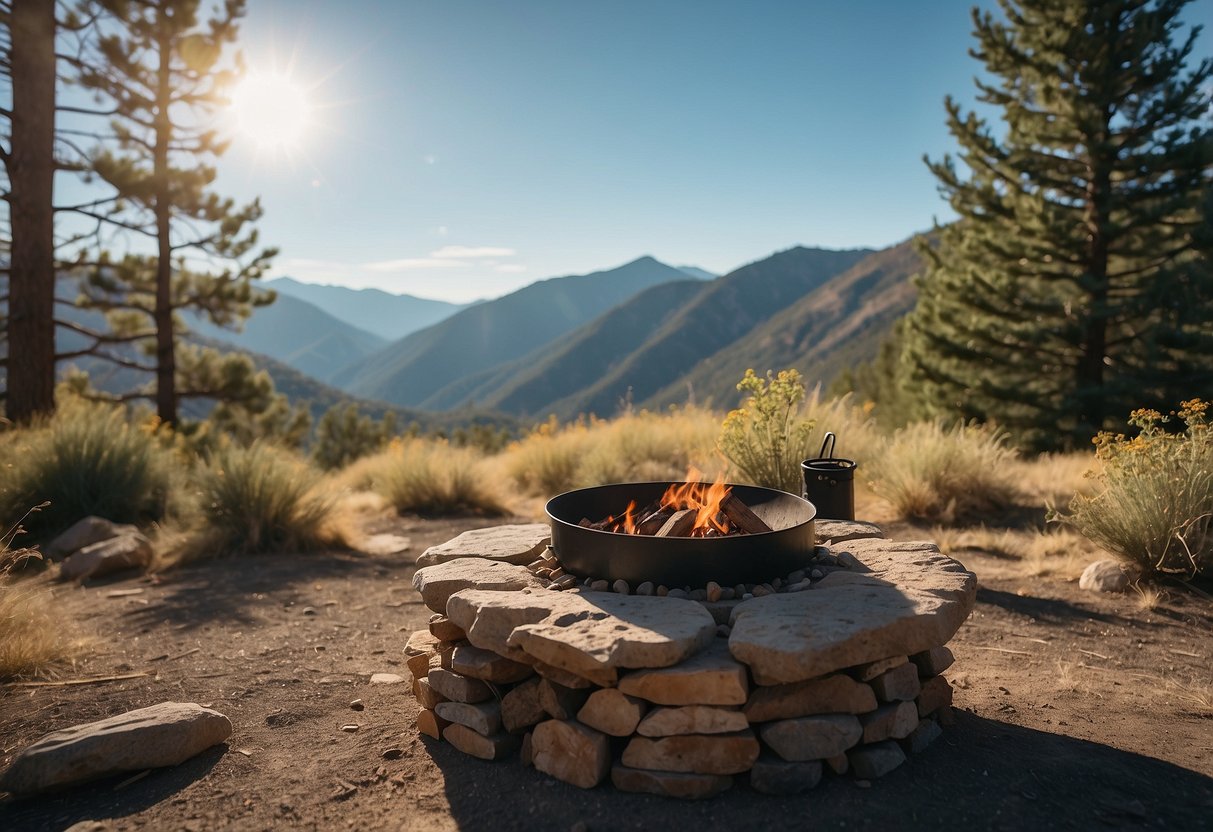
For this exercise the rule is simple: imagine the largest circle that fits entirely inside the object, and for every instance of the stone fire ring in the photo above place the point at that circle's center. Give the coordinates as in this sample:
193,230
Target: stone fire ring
841,673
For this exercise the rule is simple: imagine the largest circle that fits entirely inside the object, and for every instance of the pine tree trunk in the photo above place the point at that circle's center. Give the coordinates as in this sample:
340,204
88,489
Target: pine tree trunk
166,359
31,302
1089,376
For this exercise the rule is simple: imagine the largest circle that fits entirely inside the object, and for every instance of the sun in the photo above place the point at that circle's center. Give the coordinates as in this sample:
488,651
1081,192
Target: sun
271,110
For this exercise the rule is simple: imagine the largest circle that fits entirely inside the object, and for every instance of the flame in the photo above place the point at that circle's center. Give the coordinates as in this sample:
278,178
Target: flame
694,494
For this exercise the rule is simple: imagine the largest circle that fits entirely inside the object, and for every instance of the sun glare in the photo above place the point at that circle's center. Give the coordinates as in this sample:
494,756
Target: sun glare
272,111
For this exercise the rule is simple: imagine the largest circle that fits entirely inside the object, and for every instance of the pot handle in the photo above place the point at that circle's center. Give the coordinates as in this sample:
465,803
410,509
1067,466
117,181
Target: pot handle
830,440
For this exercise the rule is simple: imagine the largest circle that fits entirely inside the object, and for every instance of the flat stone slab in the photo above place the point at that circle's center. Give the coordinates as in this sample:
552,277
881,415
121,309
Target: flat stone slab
714,754
911,600
691,719
712,677
482,717
517,544
154,737
439,582
127,551
683,785
836,694
589,634
495,747
841,531
489,667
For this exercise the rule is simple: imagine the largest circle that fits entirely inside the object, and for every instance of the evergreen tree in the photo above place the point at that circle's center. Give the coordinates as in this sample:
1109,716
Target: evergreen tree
166,72
1076,284
344,435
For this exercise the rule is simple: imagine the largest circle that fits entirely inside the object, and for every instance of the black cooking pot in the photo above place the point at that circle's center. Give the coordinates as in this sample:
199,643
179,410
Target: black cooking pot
829,483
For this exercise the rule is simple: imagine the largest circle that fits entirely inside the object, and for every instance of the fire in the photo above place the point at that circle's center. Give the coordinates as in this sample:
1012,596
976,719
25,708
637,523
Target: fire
704,499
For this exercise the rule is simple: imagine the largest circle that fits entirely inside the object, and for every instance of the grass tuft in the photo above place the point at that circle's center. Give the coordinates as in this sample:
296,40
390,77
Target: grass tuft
33,635
432,478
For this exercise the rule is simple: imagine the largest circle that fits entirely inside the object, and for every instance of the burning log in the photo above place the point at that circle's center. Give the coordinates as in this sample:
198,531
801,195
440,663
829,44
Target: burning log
654,522
741,517
679,524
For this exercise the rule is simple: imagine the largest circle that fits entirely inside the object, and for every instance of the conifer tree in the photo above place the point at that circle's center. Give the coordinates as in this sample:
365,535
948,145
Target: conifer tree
1076,284
166,70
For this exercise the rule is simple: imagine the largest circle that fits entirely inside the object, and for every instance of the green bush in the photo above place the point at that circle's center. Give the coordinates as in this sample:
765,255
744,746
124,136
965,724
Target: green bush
767,438
344,435
431,478
931,472
88,459
256,500
1155,509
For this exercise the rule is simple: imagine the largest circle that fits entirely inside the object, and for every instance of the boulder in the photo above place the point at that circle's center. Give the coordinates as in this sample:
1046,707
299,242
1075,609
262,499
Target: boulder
683,785
84,533
439,582
516,544
153,737
1105,576
571,752
127,551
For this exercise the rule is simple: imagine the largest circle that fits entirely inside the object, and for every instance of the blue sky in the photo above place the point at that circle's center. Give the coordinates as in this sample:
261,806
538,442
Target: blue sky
462,149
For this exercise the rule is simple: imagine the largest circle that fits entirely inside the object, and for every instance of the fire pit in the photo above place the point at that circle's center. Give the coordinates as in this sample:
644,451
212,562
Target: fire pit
825,658
678,561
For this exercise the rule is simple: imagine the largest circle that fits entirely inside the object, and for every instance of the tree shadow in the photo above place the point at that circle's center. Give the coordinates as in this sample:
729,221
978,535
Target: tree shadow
981,774
1053,610
107,798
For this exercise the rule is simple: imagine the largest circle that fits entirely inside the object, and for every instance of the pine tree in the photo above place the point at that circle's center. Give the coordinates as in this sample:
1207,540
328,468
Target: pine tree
166,72
1077,283
30,168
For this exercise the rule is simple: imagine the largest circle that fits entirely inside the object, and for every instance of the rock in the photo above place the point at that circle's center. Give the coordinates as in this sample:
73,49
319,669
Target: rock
933,662
889,721
127,551
386,679
420,664
85,532
357,705
835,694
486,748
487,665
869,671
561,702
936,694
431,724
611,712
427,697
721,611
713,677
691,719
421,642
838,764
1105,576
912,599
383,545
154,737
714,754
526,751
686,786
521,708
483,717
771,775
926,733
519,545
840,531
457,687
443,629
812,737
439,582
560,675
571,752
897,685
872,761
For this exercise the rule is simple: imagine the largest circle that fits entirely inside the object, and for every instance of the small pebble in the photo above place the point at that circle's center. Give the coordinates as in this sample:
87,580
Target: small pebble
663,591
723,630
600,585
308,610
558,572
727,594
817,574
760,591
847,559
713,591
349,729
393,753
739,590
699,595
677,593
776,584
536,564
799,586
566,581
621,586
796,577
746,597
543,572
646,588
357,705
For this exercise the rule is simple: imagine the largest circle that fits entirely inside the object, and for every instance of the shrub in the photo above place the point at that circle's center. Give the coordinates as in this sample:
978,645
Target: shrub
344,435
1155,509
259,499
88,459
766,438
32,634
432,478
929,471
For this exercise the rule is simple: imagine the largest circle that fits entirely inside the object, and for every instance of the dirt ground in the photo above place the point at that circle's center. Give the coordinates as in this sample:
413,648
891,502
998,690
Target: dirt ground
1074,710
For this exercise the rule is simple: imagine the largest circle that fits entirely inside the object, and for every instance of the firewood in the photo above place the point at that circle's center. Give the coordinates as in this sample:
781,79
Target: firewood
653,523
679,524
586,523
740,516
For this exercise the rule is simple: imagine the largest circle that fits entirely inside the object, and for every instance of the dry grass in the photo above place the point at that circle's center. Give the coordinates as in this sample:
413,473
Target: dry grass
1057,552
33,635
432,478
1149,598
1054,479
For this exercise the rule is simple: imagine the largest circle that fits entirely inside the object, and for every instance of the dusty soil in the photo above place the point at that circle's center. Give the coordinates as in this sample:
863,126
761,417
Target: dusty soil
1074,710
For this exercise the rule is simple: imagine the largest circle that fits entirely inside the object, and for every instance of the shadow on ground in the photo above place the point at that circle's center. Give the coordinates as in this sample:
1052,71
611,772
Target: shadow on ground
981,774
109,798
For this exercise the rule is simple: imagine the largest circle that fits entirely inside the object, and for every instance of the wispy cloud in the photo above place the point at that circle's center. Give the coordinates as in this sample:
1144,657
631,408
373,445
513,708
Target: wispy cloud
409,264
472,252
